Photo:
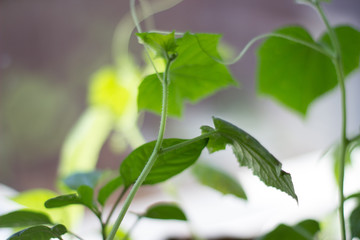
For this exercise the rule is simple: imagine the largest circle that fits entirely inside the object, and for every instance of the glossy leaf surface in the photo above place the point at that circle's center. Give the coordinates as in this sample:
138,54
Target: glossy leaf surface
166,166
23,218
165,211
250,153
193,75
218,180
39,233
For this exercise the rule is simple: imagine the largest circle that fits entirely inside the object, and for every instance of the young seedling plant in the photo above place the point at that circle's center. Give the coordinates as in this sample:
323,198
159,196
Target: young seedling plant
188,67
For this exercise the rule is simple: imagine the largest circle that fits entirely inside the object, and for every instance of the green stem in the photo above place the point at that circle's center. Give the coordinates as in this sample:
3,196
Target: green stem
344,141
153,156
122,194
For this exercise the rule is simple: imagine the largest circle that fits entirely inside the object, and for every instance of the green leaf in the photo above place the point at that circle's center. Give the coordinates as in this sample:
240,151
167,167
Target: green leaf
292,73
349,39
86,196
23,218
163,45
194,75
305,230
355,223
165,211
76,180
250,153
166,166
218,180
39,233
62,201
106,191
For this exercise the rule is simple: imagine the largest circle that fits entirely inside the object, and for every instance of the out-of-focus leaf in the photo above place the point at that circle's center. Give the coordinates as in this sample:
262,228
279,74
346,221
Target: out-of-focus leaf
106,191
355,223
250,153
162,45
166,166
194,75
23,218
218,180
76,180
165,211
40,233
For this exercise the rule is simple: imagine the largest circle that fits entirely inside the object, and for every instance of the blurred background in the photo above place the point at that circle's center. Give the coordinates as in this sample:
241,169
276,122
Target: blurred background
50,50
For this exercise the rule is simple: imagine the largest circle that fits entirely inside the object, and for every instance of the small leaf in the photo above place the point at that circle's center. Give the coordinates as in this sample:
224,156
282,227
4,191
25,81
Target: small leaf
23,218
76,180
162,45
62,201
355,223
194,75
166,166
165,211
250,153
86,196
106,191
218,180
39,233
305,230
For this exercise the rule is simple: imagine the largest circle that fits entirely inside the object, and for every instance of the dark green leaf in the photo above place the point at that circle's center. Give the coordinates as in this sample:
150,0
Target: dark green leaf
194,75
76,180
355,222
305,230
62,201
250,153
23,218
166,166
349,39
218,180
217,142
39,233
86,196
165,211
163,45
106,191
292,73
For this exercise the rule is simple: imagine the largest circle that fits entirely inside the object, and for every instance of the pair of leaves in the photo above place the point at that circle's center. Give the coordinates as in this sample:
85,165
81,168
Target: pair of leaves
305,230
193,75
295,74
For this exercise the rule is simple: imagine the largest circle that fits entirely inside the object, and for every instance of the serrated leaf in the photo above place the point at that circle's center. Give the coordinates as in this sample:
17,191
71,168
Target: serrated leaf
162,45
166,166
106,191
165,211
193,75
305,230
355,223
74,181
40,233
23,218
250,153
218,180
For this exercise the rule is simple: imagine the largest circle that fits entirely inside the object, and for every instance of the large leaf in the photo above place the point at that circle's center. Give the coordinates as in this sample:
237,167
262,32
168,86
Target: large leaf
355,223
250,153
23,218
305,230
166,166
40,233
295,74
194,75
106,191
165,211
218,180
76,180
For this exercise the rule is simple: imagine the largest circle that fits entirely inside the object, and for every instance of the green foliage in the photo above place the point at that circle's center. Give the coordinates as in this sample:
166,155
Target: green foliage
106,191
166,166
305,230
193,75
218,180
163,45
165,211
23,218
250,153
296,74
89,179
355,223
40,233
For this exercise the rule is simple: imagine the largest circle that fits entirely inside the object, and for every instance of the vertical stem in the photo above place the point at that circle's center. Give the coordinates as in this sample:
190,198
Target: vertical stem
154,155
337,60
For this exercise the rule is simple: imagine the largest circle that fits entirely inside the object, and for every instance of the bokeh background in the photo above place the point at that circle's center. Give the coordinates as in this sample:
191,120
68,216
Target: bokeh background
49,50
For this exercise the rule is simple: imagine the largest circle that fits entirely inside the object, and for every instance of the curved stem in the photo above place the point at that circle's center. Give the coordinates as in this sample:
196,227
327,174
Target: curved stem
153,156
344,142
